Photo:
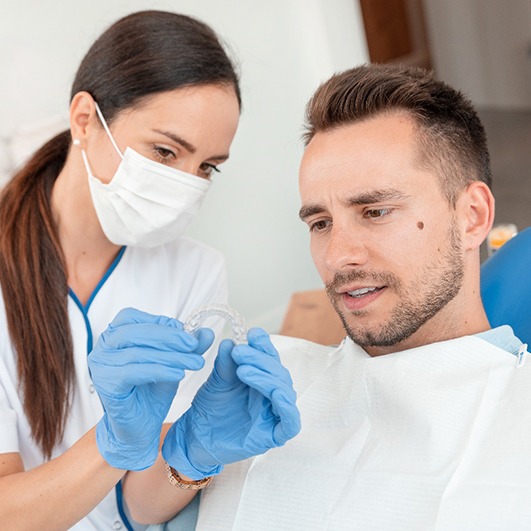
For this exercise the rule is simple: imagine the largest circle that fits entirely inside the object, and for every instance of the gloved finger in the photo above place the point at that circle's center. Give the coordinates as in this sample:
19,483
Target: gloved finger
221,388
148,335
260,339
205,338
224,372
130,377
139,356
265,382
289,424
247,355
132,315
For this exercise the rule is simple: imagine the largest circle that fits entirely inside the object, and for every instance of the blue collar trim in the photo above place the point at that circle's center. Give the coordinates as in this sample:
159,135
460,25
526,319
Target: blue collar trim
84,309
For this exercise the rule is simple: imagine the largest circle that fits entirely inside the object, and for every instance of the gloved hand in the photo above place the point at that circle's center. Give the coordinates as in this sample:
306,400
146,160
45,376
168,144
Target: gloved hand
136,367
246,407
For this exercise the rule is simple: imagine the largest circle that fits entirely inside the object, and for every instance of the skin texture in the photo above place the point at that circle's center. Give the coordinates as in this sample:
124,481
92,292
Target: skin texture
363,194
205,119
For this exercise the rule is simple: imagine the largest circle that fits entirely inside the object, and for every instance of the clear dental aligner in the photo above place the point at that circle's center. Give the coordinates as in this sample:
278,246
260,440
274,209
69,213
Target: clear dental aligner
196,319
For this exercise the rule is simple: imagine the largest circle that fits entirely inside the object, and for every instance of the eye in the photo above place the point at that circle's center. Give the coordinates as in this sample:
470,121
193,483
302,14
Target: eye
163,154
207,169
377,213
320,225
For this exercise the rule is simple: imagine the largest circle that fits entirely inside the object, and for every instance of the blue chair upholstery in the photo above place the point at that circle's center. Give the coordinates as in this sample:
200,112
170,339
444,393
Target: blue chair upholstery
506,285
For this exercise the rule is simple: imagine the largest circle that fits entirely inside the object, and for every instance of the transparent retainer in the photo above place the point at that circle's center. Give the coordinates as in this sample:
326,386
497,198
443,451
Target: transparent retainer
196,319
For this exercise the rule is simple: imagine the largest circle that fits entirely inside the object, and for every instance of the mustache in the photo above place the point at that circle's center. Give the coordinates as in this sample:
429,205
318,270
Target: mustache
340,279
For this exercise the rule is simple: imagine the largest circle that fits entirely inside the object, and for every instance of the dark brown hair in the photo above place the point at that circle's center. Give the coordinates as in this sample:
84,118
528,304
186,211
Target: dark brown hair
140,55
452,139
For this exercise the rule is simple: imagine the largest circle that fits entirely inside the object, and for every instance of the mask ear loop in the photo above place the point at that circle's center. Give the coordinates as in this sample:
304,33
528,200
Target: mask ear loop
107,130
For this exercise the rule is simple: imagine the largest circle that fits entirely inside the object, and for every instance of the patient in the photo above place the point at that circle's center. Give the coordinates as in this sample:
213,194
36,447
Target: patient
419,419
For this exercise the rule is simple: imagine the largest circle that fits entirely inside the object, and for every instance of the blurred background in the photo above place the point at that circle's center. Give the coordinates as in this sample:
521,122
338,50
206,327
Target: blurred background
284,49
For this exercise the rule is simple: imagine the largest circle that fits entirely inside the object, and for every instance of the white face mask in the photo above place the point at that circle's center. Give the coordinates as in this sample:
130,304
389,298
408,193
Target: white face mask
146,203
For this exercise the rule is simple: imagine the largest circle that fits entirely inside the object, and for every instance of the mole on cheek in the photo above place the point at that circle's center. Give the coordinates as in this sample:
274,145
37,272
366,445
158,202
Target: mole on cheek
420,225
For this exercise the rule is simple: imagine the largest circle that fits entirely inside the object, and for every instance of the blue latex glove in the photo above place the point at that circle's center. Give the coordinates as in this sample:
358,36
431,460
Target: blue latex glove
246,407
136,367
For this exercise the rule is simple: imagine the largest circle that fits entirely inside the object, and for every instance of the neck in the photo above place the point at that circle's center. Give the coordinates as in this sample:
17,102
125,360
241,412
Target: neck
87,252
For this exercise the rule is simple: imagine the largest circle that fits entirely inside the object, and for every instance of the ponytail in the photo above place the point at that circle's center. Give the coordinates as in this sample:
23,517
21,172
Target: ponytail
34,285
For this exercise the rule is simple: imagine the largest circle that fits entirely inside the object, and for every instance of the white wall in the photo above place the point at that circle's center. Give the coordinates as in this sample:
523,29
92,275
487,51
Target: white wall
285,49
483,47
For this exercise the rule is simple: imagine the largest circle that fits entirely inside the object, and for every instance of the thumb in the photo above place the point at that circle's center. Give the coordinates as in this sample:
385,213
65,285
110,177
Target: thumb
224,367
205,338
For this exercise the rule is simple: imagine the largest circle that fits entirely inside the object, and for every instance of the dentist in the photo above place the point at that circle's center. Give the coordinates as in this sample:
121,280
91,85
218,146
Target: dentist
93,224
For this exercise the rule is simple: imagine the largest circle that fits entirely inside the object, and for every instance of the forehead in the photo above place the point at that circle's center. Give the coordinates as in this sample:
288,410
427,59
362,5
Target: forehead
378,153
196,111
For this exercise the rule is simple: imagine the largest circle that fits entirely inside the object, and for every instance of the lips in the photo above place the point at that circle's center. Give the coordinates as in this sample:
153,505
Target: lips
355,290
362,291
359,298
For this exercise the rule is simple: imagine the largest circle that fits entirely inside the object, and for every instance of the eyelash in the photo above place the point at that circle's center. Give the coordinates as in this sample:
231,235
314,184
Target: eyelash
314,225
210,168
383,212
321,224
164,155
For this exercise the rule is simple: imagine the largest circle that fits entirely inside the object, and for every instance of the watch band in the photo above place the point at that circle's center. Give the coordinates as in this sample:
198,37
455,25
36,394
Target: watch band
177,481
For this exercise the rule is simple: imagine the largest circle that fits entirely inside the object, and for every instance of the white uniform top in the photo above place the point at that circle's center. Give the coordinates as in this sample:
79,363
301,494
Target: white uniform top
432,438
172,280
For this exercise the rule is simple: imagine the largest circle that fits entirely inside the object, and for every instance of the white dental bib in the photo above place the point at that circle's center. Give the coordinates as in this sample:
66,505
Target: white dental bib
437,437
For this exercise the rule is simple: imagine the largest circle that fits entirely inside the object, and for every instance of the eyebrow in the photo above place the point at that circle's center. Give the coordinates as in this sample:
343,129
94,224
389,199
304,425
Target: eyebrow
310,210
367,198
189,147
376,196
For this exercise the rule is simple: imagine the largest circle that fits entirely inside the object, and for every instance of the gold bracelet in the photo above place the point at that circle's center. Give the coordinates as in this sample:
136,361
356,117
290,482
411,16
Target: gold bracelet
177,481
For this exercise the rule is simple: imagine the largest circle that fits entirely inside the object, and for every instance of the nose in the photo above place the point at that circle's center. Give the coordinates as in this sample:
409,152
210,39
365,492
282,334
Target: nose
188,165
345,249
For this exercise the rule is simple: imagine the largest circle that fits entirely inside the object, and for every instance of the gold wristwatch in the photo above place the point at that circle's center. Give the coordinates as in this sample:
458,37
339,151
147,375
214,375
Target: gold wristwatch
177,481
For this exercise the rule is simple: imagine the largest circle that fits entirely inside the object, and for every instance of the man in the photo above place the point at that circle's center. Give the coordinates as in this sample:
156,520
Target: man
420,419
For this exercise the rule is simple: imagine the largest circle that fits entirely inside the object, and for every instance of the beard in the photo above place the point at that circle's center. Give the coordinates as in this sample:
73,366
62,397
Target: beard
437,284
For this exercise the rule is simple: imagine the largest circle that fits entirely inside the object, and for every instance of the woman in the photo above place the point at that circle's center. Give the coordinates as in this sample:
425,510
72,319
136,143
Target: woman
93,224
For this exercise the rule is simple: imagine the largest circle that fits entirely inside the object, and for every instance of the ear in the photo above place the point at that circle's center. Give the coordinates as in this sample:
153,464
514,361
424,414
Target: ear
477,206
82,117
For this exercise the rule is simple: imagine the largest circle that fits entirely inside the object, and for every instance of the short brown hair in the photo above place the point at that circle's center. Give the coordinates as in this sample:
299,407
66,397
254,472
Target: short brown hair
452,138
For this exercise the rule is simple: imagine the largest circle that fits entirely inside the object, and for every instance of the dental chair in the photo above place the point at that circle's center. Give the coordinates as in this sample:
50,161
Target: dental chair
506,285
